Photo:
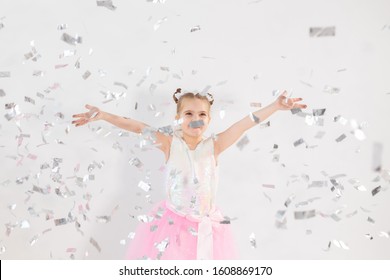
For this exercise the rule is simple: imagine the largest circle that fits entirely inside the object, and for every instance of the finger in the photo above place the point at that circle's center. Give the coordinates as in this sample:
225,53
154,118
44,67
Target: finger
296,99
82,115
300,106
88,106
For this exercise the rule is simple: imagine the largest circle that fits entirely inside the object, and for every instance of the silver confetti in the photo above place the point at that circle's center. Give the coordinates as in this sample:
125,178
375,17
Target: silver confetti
29,99
71,40
195,28
289,200
136,162
2,93
369,236
384,234
2,247
24,224
159,22
243,142
331,90
299,142
377,156
33,240
299,215
62,26
95,244
144,186
341,137
161,247
376,190
264,125
86,75
196,124
255,104
107,4
266,196
67,53
254,118
269,186
318,112
322,31
153,228
167,130
145,218
120,84
60,222
340,244
38,73
5,74
385,174
192,231
370,220
103,219
252,240
320,134
351,214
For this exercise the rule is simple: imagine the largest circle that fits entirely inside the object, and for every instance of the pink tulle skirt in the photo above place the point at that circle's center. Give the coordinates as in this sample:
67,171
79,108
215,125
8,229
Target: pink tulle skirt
170,236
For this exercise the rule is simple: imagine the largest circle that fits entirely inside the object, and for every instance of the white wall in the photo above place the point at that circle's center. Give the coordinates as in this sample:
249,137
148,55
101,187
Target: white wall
244,50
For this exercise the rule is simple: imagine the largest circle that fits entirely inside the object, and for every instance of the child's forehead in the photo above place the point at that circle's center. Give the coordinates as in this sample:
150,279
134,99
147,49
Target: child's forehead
195,104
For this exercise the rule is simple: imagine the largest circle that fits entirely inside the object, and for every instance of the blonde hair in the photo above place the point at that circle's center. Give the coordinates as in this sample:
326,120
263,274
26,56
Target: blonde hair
178,97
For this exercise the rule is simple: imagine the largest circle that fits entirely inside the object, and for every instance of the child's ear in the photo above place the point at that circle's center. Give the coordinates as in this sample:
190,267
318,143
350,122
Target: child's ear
177,117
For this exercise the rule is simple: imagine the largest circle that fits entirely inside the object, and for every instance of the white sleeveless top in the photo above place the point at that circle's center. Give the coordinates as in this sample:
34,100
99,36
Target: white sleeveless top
192,177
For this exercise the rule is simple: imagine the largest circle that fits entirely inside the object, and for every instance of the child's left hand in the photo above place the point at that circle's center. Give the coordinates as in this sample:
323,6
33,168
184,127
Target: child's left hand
284,103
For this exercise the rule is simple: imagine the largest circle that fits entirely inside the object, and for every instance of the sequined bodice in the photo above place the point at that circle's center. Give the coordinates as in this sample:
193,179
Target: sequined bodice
192,177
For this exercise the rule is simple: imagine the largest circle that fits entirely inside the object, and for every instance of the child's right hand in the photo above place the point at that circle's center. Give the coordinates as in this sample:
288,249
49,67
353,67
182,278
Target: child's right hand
93,114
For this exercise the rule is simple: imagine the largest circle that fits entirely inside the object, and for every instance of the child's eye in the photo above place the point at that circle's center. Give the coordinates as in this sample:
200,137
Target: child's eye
203,115
188,114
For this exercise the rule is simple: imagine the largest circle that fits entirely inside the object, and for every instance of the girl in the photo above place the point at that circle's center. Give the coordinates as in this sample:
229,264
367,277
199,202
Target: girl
188,225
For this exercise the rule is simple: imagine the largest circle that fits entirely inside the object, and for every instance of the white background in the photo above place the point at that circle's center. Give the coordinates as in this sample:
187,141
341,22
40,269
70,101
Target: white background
245,51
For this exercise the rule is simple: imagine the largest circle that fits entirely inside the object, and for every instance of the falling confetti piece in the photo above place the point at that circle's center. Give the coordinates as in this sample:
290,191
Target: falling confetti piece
195,28
144,186
299,142
341,137
376,190
2,93
377,156
243,142
322,31
369,236
5,74
86,75
107,4
95,244
340,244
300,215
331,90
71,40
62,26
159,22
254,118
163,245
252,240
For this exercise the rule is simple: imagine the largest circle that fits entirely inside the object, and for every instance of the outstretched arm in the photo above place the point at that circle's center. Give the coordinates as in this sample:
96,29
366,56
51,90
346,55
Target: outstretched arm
95,114
228,137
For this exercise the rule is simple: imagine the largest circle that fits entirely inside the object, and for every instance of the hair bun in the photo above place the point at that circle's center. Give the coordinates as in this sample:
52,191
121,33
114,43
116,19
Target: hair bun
178,90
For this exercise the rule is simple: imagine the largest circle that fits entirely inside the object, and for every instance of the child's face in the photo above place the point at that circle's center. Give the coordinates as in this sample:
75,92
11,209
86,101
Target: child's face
194,110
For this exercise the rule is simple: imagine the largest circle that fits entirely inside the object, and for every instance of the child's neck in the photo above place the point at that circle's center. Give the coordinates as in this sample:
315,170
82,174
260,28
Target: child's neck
192,141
